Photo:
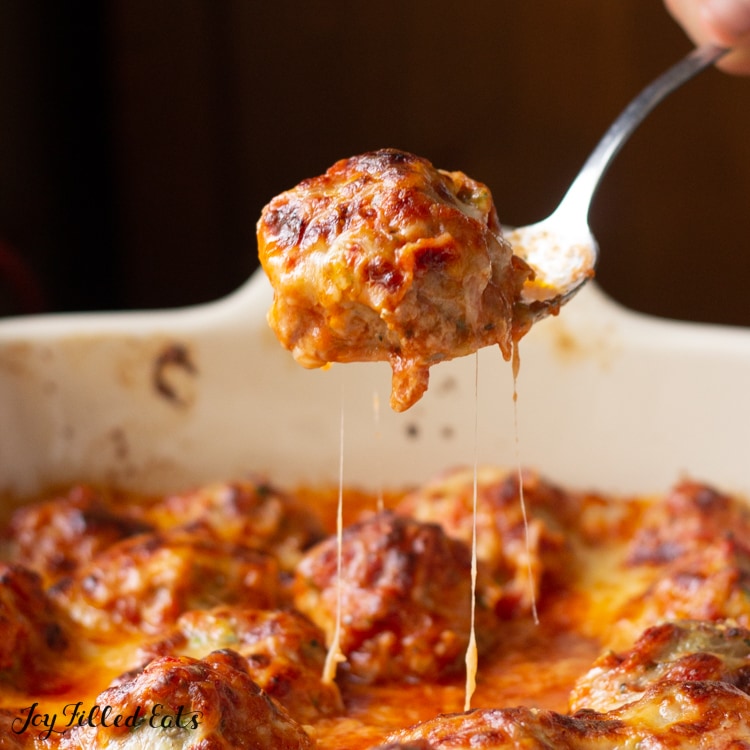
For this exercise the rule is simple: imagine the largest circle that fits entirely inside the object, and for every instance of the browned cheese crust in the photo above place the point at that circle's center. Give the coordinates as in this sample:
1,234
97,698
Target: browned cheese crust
695,547
284,653
146,582
681,715
670,652
249,512
384,257
57,536
33,633
404,589
181,703
520,552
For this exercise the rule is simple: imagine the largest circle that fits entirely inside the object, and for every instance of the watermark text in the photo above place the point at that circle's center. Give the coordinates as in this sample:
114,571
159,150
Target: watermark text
72,715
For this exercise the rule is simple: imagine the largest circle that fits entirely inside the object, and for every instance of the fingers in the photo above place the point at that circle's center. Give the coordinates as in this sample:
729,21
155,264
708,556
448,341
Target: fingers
724,22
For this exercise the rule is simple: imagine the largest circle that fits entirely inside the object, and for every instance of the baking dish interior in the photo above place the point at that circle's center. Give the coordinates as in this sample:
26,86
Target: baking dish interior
607,399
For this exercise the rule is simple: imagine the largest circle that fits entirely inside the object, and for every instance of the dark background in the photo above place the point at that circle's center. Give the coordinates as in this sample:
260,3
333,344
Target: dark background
139,139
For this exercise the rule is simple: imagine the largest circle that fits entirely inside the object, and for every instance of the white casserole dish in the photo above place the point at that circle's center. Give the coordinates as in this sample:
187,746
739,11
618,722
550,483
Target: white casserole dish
607,399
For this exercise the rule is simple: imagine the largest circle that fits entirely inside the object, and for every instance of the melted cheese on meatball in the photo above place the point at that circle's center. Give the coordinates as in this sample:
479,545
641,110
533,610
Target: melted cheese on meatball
385,257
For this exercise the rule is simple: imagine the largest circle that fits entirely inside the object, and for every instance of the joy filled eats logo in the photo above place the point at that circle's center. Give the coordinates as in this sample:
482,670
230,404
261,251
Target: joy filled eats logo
76,715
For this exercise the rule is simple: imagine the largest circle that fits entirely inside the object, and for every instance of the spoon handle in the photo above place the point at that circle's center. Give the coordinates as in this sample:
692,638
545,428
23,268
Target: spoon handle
582,189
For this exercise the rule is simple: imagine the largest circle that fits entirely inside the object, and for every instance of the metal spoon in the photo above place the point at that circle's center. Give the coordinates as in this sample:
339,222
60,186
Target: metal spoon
561,248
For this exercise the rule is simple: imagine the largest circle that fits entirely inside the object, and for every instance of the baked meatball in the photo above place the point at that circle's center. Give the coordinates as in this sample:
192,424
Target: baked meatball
285,653
518,562
689,715
249,512
712,583
405,598
670,652
54,537
145,583
33,639
691,517
384,257
494,729
693,554
179,702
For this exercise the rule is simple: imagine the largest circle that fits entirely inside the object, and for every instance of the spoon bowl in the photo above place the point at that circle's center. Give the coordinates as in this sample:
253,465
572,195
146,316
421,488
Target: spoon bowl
561,249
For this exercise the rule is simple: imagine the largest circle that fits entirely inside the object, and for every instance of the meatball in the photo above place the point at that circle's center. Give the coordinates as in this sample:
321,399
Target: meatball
494,729
691,516
58,535
249,512
693,554
517,561
405,598
692,714
670,652
285,653
146,582
179,702
32,636
712,583
384,257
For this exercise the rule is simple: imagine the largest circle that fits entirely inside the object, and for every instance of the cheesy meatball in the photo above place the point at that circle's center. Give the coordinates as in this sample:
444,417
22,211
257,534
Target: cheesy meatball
284,651
689,715
145,583
249,512
384,257
405,598
521,551
54,537
712,583
670,652
691,517
190,704
32,634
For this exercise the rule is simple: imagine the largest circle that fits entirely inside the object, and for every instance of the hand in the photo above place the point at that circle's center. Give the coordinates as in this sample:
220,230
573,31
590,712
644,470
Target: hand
723,22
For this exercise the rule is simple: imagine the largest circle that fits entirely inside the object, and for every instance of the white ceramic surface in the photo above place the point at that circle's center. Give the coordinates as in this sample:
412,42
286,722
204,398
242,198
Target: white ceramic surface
607,399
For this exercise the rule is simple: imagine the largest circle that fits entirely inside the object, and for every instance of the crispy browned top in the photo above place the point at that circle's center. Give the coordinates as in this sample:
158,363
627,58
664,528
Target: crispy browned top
179,702
34,634
143,583
385,257
405,608
669,652
677,715
284,651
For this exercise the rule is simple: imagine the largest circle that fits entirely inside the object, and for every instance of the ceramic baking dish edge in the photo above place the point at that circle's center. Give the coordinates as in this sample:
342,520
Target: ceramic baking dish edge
607,399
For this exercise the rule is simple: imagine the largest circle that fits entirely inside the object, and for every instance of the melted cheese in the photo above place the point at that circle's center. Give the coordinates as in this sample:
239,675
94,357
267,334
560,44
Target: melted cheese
335,655
472,652
516,367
